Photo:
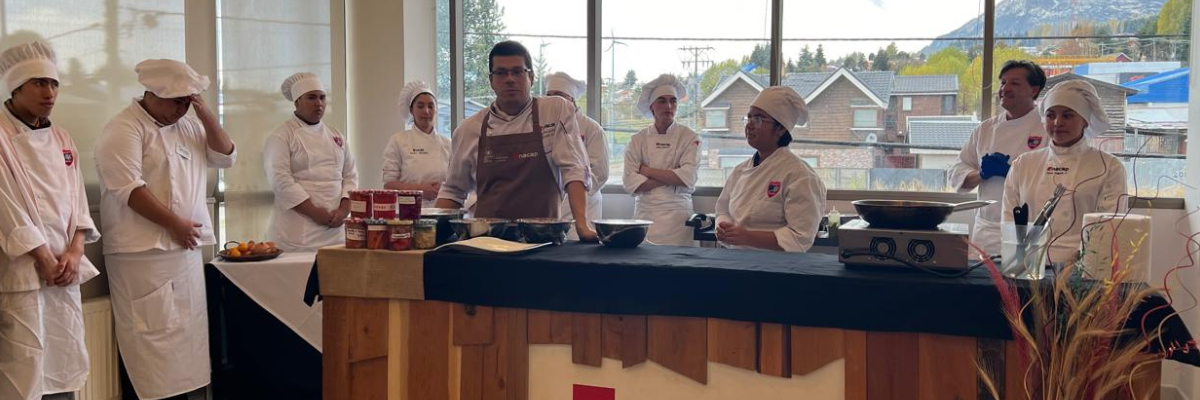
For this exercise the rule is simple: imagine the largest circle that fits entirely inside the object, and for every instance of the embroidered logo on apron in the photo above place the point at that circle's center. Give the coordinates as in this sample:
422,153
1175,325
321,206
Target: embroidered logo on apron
1033,142
338,140
68,157
1056,170
773,188
417,150
662,145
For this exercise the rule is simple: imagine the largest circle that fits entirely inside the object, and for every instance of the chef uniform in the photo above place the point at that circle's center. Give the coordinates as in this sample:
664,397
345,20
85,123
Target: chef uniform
1095,180
156,285
415,156
780,193
594,141
42,203
306,162
677,150
518,164
998,134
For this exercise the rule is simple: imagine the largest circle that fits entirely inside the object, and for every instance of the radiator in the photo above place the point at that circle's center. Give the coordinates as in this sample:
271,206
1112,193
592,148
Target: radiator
103,383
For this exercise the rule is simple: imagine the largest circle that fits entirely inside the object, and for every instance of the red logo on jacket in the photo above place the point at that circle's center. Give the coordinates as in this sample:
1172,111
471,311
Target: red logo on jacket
338,140
68,157
773,188
1034,142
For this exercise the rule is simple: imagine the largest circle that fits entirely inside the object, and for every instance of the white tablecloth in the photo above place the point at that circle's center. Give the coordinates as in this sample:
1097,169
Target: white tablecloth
278,286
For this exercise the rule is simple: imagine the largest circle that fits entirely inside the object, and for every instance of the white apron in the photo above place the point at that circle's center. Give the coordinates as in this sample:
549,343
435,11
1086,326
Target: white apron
161,320
41,327
414,156
782,195
317,164
668,206
998,135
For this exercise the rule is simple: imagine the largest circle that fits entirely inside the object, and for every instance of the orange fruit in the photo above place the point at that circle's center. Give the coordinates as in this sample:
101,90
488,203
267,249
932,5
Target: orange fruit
243,246
234,252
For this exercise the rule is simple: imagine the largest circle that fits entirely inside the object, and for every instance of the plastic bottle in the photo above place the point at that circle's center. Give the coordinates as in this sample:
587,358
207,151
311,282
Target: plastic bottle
835,220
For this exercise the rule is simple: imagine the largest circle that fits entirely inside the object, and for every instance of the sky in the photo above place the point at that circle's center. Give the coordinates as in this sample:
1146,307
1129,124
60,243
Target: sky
743,19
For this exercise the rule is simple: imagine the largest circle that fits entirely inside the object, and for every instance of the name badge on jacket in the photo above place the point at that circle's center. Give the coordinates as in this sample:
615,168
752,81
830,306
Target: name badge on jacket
662,145
183,151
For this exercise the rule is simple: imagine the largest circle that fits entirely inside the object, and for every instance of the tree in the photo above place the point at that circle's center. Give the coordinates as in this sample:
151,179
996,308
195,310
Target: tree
947,61
630,79
715,73
541,68
820,58
761,56
880,61
483,27
970,81
806,63
856,61
1175,19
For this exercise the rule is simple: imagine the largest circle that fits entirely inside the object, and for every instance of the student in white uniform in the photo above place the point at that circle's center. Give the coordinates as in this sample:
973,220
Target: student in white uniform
310,172
522,153
44,223
153,161
418,157
1094,179
562,85
984,161
774,200
661,164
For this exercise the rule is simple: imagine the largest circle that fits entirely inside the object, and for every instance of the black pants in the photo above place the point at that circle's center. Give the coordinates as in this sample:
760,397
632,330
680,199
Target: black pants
127,392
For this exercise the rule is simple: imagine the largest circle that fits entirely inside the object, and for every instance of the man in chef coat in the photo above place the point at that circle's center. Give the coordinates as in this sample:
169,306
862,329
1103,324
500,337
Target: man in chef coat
310,171
985,160
153,160
562,85
520,154
44,223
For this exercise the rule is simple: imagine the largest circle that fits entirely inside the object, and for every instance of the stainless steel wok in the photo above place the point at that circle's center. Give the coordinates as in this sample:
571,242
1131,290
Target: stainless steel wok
917,215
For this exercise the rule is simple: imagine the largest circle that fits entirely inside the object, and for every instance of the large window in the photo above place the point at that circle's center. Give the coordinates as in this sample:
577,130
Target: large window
894,95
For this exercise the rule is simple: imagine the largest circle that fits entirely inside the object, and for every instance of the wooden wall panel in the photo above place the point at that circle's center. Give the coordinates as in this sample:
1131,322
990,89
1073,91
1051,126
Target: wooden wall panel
733,343
946,367
506,360
369,380
610,336
539,327
813,348
679,344
368,324
892,366
560,327
473,324
430,352
356,332
335,360
1014,372
633,340
855,351
586,336
471,376
774,350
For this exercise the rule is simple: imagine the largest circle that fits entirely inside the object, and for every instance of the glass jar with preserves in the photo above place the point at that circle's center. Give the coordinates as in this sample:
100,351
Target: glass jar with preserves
408,204
402,232
360,204
424,234
383,204
356,233
378,234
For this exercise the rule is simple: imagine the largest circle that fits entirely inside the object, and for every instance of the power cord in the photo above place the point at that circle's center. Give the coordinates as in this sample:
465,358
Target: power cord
862,252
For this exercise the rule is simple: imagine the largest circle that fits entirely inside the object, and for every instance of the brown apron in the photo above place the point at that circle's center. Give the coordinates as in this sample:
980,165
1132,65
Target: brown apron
513,178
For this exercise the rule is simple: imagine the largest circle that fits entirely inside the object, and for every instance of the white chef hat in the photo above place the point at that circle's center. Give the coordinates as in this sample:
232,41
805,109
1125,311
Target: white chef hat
409,94
1080,96
170,79
20,63
665,84
783,104
562,82
300,83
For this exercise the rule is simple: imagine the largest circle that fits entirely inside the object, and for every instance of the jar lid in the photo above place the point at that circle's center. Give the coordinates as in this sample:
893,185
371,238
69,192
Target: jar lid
425,222
411,193
400,222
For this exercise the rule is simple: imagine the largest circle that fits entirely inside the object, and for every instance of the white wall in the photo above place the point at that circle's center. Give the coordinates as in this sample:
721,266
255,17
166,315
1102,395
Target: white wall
375,55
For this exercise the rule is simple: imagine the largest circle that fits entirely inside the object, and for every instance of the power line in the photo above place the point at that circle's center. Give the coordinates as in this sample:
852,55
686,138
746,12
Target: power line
820,39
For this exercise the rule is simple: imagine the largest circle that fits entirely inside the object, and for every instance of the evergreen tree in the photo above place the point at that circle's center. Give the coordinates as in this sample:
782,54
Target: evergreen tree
820,58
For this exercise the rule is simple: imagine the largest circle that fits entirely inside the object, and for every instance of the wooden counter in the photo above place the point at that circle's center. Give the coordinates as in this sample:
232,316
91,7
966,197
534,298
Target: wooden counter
391,343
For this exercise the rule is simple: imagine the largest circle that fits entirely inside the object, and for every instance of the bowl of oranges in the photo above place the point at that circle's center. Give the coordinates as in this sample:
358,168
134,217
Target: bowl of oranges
249,251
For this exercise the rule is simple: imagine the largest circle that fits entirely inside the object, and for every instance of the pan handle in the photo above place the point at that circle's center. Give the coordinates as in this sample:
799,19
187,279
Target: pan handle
971,205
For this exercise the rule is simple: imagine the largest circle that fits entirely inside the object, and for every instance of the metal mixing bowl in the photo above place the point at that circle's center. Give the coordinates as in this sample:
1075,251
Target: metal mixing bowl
542,230
467,228
443,217
622,232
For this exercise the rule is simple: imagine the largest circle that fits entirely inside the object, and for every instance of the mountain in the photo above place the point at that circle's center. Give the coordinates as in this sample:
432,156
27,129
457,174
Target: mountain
1017,17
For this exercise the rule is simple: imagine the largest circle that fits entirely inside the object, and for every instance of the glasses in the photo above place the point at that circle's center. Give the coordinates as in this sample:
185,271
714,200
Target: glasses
504,73
757,119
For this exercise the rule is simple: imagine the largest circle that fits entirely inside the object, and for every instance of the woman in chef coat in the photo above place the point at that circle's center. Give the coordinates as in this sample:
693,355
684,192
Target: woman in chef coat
661,164
1094,180
310,171
417,158
774,200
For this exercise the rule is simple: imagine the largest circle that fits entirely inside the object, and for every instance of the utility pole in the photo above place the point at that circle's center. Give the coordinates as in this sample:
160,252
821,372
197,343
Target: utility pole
697,59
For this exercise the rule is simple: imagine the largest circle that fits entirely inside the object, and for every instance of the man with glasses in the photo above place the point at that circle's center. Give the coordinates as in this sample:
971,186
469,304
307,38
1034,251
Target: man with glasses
521,153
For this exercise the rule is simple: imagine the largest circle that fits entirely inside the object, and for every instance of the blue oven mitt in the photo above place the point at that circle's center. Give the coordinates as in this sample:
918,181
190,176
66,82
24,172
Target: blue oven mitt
995,164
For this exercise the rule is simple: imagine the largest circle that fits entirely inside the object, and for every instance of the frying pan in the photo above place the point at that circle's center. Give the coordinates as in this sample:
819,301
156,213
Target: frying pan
917,215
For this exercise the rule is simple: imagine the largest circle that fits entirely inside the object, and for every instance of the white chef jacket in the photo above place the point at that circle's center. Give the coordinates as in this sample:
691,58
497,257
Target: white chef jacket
597,152
782,195
42,202
560,137
307,162
1095,182
995,135
677,150
413,156
171,161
